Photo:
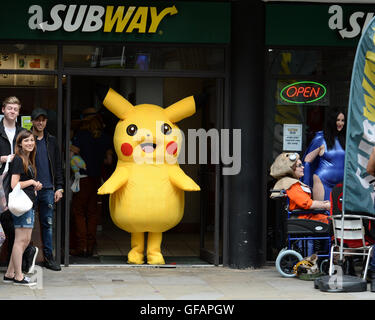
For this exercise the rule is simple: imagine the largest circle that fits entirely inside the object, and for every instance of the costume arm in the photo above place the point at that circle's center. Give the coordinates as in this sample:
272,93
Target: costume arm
179,179
118,178
310,158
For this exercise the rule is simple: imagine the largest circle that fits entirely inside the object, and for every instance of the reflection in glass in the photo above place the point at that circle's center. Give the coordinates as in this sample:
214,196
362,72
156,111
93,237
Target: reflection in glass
145,57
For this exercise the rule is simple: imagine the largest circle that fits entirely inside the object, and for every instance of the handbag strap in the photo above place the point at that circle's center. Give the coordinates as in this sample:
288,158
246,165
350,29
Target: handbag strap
6,166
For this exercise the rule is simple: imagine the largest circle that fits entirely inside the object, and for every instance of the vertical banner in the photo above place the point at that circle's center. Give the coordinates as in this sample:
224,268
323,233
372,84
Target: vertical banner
359,192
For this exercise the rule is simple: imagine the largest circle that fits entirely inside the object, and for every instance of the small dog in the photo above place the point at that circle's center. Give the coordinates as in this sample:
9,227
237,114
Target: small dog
308,265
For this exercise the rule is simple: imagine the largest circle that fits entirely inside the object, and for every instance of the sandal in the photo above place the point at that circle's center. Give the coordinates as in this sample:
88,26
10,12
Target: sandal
7,279
24,282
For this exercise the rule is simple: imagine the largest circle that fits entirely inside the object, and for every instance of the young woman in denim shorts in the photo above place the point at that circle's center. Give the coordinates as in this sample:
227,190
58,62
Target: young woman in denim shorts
23,171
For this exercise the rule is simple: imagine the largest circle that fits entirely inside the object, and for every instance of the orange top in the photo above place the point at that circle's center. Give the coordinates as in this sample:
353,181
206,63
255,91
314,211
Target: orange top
300,199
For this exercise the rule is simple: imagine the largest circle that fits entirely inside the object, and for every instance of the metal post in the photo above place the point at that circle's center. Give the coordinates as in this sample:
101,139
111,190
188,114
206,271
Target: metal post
67,171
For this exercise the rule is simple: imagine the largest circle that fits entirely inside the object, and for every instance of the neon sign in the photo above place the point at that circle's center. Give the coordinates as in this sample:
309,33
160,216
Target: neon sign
303,92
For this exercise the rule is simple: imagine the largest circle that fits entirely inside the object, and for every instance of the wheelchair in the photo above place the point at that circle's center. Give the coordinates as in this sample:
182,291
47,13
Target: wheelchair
299,235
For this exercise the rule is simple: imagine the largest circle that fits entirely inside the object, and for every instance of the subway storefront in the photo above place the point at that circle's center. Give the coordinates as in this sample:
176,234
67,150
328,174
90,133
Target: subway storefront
52,55
310,55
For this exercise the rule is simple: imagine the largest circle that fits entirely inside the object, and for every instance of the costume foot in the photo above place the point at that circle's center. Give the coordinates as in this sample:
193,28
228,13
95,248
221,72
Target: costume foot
155,258
135,257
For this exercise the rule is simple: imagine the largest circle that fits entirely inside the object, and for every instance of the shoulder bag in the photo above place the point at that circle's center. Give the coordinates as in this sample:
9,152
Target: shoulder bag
19,202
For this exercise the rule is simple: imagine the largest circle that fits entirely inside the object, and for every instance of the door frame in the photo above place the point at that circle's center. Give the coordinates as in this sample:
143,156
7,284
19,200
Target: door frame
222,104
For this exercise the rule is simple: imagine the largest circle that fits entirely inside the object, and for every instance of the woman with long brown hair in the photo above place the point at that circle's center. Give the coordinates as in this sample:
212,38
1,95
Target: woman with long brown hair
23,171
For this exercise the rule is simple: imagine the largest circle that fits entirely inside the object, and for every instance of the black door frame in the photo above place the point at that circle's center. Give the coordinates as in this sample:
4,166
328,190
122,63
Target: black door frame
221,92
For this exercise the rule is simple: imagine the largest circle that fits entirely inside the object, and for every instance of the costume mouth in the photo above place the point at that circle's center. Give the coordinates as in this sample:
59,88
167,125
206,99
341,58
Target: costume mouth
148,147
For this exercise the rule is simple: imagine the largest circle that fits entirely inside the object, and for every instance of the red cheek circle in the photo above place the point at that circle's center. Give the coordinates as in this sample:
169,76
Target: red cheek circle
172,147
126,149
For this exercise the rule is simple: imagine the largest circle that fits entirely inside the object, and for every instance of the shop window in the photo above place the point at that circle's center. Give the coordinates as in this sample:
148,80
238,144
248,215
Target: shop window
145,57
295,62
338,62
294,117
33,96
28,57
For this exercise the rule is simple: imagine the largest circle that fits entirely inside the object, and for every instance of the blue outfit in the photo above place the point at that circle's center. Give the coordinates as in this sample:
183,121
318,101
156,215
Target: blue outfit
329,167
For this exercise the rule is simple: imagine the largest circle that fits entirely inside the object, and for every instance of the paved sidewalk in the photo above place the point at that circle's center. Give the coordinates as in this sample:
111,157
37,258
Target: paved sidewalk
163,283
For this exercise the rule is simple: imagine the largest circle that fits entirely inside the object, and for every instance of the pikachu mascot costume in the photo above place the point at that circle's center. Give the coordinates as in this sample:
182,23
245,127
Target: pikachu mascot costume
147,187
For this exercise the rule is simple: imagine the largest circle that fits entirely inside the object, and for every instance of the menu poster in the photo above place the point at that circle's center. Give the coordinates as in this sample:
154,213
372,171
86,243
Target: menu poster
35,62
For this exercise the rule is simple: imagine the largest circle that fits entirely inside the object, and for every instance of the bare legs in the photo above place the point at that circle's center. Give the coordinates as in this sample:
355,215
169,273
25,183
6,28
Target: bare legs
21,241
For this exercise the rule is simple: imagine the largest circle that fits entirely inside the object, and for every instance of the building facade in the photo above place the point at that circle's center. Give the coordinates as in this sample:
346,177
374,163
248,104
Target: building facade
238,55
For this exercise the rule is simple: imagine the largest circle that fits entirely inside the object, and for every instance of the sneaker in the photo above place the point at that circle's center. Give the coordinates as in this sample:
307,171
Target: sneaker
51,264
28,259
24,282
7,279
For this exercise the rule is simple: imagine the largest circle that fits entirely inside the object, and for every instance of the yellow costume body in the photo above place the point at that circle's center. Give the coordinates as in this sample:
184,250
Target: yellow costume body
144,206
146,194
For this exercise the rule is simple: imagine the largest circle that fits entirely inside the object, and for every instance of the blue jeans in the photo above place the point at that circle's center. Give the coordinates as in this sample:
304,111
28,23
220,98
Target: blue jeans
24,221
46,199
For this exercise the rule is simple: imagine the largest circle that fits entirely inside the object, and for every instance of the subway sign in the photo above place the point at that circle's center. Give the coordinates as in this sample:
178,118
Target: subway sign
303,92
316,24
116,21
85,18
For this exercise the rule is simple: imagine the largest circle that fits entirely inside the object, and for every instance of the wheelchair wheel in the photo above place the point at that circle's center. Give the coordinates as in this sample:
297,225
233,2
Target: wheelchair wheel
285,262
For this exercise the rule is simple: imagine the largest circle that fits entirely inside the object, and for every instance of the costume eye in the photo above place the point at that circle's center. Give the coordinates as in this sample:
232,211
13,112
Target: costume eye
131,130
166,128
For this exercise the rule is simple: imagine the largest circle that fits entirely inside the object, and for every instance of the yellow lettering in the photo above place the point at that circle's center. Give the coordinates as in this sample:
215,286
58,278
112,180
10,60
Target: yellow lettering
156,18
369,109
118,18
139,20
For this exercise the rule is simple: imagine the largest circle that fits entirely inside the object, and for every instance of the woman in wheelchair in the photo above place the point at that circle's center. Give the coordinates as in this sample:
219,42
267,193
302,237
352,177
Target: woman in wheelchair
288,169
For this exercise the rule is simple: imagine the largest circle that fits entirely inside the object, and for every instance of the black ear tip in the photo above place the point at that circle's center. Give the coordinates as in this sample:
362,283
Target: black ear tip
101,90
201,100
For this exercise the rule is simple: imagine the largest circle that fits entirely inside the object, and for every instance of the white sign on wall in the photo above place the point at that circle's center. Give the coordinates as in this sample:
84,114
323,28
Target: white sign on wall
292,137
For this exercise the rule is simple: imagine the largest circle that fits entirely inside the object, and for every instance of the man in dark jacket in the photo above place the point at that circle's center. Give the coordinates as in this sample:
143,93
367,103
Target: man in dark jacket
8,135
50,174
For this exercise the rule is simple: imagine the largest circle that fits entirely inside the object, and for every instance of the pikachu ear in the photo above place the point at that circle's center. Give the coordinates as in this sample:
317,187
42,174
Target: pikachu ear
181,109
114,102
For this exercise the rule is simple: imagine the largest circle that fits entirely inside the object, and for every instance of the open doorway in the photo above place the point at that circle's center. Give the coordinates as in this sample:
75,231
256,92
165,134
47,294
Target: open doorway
195,235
